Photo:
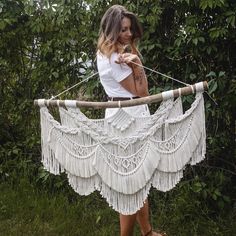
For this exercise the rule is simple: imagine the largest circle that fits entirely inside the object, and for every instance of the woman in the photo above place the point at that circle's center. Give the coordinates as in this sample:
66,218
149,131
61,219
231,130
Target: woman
123,79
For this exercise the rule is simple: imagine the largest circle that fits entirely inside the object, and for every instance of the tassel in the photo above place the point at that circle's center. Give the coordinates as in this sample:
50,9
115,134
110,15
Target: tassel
124,155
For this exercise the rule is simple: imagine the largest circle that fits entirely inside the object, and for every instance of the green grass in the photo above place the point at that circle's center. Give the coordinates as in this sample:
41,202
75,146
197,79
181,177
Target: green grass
182,214
28,210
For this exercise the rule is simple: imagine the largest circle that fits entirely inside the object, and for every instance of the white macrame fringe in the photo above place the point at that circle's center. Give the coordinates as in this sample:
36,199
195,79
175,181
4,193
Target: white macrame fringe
120,175
84,186
125,204
165,181
123,156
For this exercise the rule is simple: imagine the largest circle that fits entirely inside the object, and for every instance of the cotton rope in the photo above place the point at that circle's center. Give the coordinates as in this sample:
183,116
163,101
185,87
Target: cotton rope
86,79
124,155
157,72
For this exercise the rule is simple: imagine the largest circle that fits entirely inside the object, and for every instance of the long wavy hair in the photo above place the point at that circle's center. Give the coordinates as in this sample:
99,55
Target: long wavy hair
110,29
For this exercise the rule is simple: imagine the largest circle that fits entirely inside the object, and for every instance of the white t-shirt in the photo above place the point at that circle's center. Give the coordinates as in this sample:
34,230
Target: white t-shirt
111,74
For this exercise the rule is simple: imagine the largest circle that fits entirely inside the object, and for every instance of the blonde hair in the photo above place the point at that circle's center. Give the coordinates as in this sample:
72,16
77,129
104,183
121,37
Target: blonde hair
110,28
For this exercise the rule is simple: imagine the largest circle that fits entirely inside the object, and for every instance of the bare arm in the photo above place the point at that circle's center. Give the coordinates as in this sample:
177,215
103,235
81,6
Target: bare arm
135,83
140,79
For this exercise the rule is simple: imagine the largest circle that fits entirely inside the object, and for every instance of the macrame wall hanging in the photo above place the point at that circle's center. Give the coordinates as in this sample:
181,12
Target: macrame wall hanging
124,155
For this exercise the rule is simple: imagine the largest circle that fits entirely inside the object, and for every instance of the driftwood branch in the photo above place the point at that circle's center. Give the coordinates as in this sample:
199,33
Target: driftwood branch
202,86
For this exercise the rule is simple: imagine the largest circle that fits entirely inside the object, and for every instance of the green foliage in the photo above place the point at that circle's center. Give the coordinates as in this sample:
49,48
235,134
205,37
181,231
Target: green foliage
45,47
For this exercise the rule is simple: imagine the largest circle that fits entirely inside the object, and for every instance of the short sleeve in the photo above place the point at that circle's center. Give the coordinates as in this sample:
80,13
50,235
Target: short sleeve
119,71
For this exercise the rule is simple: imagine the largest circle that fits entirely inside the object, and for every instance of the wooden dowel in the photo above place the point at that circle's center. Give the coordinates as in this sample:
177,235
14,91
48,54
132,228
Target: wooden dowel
133,102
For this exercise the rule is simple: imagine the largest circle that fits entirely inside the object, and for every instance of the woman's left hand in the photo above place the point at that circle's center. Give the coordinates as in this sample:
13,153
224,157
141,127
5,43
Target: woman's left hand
127,58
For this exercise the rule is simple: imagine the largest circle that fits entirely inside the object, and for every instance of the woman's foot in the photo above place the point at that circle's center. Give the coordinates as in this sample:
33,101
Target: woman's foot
153,233
157,234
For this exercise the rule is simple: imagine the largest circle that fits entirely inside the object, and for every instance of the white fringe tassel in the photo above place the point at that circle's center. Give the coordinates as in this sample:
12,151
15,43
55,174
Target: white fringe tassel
123,156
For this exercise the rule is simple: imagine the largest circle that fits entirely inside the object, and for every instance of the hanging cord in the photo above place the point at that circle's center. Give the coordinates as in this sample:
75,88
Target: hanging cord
211,98
157,72
147,68
86,79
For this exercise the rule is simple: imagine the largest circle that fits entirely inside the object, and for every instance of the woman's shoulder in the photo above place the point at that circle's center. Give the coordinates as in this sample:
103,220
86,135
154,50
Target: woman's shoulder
103,57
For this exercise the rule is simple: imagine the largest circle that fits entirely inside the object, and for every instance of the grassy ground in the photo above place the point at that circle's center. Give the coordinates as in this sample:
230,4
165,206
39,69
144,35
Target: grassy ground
27,210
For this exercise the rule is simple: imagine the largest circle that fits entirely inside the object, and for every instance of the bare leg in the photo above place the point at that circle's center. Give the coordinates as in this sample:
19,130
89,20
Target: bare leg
127,224
143,218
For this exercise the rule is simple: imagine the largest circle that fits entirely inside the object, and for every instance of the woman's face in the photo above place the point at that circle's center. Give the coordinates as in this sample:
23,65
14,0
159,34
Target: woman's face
125,35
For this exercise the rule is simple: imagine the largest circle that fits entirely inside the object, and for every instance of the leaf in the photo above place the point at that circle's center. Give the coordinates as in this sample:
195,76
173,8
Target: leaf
222,73
214,196
203,4
211,74
226,199
2,25
15,151
193,76
212,86
209,50
98,219
231,20
195,41
201,39
55,74
31,3
204,193
217,192
221,204
178,41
